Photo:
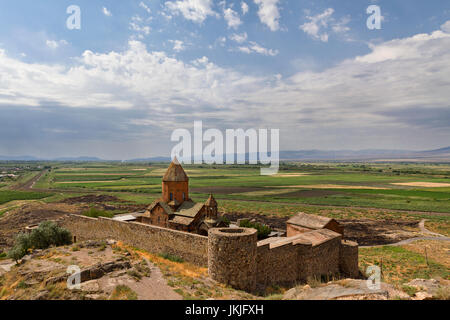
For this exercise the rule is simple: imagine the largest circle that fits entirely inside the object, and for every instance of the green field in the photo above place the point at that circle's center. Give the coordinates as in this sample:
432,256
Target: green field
335,184
6,196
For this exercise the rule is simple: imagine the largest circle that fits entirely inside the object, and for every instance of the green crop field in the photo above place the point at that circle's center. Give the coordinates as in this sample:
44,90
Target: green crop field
309,187
415,187
6,196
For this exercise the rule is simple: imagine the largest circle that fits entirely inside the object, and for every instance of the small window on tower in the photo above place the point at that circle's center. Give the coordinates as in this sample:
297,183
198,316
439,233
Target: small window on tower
171,196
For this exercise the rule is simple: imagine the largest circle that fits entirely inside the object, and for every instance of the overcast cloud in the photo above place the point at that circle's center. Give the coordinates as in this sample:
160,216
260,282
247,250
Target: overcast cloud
125,104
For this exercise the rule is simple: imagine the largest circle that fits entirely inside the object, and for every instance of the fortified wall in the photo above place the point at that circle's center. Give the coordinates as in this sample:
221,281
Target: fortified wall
233,255
191,247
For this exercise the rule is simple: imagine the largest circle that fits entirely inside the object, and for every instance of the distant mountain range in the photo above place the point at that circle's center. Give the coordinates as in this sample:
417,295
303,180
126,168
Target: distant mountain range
442,154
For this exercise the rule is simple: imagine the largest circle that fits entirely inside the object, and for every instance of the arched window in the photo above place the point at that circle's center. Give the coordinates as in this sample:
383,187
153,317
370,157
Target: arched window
171,196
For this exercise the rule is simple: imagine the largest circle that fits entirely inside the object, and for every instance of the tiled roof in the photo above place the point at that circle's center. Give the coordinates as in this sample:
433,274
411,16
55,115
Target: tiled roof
318,236
164,205
175,172
309,221
189,209
182,220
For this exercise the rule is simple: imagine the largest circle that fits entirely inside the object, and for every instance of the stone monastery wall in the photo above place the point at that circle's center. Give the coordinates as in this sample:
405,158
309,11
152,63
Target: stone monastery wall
191,247
233,256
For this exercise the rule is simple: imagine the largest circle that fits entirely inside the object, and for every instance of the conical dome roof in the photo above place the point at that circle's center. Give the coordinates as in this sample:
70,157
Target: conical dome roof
211,202
175,172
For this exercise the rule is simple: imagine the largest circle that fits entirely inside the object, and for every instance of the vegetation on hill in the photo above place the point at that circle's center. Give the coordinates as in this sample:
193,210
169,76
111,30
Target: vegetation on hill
95,213
47,234
263,230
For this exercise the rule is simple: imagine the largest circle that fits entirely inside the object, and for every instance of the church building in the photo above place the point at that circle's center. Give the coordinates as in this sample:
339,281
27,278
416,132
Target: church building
175,210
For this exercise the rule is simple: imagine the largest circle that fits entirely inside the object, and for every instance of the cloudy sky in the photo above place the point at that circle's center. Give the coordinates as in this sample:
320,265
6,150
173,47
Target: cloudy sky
137,70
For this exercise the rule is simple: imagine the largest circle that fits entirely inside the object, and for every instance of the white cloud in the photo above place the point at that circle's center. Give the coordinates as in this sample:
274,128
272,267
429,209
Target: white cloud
446,26
253,47
137,25
239,38
232,18
359,102
145,7
244,8
53,44
403,49
194,10
106,12
318,26
178,45
268,13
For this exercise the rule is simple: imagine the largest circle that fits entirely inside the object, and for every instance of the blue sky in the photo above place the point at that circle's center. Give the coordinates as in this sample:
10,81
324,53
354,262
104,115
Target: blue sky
136,70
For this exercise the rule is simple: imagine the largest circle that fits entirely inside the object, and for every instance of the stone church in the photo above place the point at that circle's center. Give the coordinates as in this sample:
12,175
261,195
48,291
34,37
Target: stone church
175,210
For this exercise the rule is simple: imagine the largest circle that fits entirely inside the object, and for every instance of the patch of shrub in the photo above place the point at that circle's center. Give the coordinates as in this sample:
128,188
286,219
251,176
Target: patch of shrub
22,285
95,213
225,221
263,230
47,234
171,257
121,291
443,293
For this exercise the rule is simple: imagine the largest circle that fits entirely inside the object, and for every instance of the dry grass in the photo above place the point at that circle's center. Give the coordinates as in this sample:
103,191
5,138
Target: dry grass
438,251
422,184
122,292
182,268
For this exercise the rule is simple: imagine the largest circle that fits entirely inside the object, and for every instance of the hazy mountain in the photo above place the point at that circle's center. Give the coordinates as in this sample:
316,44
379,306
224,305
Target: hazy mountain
368,154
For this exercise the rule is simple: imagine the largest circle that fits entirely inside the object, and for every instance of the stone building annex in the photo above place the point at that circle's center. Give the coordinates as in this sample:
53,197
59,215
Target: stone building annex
174,224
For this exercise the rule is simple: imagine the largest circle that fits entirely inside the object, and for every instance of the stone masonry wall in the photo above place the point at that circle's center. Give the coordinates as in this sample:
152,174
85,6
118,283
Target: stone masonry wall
277,264
191,247
293,259
324,259
232,257
348,259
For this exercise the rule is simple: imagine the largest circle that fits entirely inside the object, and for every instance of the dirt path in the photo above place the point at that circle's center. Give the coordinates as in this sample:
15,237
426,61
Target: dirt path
28,185
426,231
433,236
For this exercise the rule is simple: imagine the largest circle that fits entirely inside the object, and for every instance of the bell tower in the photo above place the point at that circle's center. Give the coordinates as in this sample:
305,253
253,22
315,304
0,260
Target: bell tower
175,185
211,207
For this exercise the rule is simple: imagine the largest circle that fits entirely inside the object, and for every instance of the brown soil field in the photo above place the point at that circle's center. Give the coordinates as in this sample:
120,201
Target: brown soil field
379,232
16,220
422,184
226,190
91,198
364,231
75,182
309,193
332,186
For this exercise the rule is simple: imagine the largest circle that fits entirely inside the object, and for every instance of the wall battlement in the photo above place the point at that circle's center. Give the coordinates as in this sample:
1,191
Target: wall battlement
233,256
